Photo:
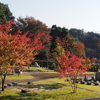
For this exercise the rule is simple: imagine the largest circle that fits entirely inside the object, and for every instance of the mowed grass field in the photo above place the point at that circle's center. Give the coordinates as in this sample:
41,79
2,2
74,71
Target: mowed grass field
62,92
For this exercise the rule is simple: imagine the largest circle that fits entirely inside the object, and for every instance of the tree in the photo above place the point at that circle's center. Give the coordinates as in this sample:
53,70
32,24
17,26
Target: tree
5,14
62,45
30,25
59,32
17,50
79,49
71,67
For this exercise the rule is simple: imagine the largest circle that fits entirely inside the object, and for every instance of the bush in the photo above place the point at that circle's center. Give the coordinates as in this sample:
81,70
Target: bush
94,67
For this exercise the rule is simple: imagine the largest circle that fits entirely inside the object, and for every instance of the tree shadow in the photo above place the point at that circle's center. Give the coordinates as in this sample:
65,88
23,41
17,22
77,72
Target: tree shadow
20,96
44,86
36,96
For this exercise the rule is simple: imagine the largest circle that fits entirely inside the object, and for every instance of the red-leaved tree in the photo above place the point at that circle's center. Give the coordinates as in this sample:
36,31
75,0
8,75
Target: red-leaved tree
71,67
17,49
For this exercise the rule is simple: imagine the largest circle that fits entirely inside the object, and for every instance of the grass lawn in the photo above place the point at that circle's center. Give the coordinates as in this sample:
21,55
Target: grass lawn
16,77
44,69
50,72
64,93
37,69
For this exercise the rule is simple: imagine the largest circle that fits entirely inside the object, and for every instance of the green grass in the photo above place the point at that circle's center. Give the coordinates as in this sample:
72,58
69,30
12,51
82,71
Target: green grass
37,69
90,73
16,77
50,72
64,93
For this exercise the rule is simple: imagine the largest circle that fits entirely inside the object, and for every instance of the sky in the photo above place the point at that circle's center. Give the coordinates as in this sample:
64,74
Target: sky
80,14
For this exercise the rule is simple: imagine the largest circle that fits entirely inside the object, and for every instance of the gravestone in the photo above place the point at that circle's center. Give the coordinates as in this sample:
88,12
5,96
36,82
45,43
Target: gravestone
93,78
18,71
15,84
25,91
10,84
88,83
53,65
97,76
36,65
29,83
85,78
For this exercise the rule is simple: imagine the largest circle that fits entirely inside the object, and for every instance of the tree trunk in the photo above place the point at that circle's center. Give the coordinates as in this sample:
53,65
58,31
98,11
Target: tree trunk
3,80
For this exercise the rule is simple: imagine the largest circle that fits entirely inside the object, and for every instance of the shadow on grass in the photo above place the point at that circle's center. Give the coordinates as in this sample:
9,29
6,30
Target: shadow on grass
45,86
20,96
33,70
33,95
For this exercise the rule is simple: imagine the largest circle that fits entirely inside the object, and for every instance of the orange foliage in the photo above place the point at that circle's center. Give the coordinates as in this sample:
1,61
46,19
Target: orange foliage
79,49
17,49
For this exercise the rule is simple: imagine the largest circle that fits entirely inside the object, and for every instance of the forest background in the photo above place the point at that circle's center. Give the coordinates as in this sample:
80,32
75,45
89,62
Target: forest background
33,26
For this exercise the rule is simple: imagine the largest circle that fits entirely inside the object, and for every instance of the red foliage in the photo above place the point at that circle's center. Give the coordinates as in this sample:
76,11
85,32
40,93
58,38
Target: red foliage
71,66
17,49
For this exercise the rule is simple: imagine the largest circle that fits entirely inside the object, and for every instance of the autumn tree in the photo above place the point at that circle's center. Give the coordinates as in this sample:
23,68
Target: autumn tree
61,46
17,50
33,26
30,25
79,49
70,67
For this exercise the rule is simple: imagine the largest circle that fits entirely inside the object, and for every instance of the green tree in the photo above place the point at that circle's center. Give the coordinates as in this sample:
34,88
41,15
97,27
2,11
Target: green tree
5,14
59,32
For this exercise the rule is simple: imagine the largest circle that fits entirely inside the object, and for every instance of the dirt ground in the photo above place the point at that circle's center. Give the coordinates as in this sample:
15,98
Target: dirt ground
37,77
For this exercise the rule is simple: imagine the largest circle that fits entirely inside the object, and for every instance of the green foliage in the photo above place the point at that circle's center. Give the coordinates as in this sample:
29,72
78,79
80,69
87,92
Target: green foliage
94,67
5,14
57,31
89,39
91,53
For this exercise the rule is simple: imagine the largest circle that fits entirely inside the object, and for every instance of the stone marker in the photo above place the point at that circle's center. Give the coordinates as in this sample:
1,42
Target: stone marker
97,76
36,65
85,78
29,83
88,83
18,71
15,84
10,84
25,91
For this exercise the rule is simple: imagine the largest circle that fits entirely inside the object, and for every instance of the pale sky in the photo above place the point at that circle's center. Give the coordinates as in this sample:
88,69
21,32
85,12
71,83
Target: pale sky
80,14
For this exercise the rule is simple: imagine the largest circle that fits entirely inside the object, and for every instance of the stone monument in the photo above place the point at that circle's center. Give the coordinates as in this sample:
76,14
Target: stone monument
36,65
